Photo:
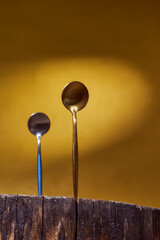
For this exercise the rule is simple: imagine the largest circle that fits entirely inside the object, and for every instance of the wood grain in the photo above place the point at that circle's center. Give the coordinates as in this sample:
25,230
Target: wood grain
8,216
147,223
104,213
58,218
128,222
156,224
29,217
85,219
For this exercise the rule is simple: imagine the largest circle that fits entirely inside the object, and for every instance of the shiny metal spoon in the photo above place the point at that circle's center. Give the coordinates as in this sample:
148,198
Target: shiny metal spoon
75,97
38,125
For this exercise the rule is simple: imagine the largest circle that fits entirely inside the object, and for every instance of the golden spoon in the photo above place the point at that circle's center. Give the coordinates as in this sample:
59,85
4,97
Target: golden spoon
75,97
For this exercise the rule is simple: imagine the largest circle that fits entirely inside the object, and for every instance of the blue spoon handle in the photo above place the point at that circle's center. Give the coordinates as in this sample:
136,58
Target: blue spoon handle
39,167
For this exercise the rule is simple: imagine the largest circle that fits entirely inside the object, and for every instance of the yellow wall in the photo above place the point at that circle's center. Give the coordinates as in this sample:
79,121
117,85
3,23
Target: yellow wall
113,47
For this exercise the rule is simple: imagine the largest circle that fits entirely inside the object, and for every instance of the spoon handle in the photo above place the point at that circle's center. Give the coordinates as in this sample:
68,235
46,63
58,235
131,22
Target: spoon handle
39,166
75,156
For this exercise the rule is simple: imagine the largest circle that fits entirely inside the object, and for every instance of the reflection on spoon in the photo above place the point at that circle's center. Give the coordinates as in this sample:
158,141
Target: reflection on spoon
38,125
75,97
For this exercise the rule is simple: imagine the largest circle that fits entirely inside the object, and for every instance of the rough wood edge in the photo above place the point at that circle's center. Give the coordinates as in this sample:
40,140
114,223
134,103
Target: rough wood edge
48,217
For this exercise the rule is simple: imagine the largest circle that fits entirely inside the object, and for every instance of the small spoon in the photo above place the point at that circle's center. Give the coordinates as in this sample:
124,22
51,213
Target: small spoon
75,97
38,125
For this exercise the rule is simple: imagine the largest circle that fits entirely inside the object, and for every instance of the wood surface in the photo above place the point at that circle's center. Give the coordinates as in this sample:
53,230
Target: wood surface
45,218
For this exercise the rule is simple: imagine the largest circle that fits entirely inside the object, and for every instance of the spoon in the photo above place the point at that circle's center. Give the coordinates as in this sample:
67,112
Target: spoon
75,97
38,125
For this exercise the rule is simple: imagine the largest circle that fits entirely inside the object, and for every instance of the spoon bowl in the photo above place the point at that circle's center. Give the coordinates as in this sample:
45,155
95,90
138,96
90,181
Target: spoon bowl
38,124
75,96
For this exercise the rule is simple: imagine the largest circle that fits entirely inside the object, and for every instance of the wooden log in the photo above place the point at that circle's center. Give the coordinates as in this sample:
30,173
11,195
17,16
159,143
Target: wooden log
44,218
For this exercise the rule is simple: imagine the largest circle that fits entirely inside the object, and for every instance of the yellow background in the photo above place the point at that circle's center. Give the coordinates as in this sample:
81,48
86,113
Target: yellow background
113,47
